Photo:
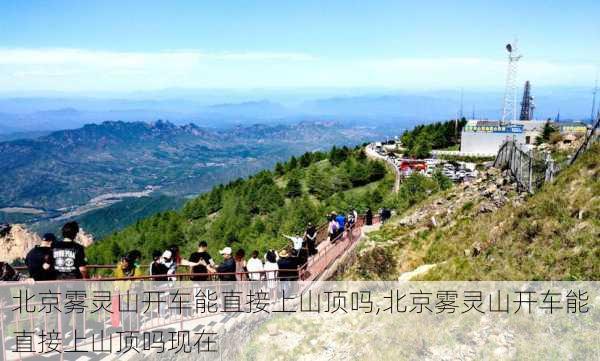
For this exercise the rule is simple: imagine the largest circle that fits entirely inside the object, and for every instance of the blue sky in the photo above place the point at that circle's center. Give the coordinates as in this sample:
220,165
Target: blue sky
121,46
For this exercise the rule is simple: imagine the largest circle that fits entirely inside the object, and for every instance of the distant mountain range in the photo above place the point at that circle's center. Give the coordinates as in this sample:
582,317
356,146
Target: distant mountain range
26,114
70,167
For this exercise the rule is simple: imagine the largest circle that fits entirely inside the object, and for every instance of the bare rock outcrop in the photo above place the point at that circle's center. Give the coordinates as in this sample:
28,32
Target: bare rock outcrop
83,238
16,241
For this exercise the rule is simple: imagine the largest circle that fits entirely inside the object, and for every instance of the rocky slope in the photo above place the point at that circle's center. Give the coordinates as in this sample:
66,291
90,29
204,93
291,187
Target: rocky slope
404,240
487,230
16,241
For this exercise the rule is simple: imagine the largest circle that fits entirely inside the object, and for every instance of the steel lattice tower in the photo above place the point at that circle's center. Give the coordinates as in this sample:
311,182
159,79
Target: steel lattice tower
509,111
527,105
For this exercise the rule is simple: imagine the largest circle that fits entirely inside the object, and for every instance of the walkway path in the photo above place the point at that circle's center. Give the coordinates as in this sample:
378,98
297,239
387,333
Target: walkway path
371,153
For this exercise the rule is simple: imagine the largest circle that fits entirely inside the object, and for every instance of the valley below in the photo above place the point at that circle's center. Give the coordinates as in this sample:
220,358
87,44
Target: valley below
112,168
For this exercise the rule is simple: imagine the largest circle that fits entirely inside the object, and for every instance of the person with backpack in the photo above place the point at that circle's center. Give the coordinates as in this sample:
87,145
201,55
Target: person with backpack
332,228
40,260
69,256
341,221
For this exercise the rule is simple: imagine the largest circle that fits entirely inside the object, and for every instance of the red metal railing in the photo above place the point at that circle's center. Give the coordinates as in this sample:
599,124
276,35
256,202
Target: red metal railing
328,253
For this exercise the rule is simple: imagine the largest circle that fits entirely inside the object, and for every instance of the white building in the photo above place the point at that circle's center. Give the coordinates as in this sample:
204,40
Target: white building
484,137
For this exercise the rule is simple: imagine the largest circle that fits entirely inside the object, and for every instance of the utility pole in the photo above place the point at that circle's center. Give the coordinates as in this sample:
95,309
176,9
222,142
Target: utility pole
594,99
461,103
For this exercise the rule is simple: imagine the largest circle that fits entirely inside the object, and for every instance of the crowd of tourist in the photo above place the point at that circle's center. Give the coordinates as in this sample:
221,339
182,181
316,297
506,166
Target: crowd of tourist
65,259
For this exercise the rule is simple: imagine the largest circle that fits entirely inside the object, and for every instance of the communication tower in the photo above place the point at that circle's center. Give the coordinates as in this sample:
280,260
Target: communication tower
527,105
509,111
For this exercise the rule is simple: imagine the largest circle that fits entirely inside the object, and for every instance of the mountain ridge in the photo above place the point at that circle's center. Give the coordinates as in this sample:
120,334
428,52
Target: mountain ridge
69,167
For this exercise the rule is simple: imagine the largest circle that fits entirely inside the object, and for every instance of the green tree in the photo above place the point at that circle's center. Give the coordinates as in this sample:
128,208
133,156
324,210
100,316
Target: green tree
279,169
547,132
293,188
292,164
421,148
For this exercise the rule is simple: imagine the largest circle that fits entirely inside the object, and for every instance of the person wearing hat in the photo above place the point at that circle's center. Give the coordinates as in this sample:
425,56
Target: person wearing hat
227,267
40,260
288,266
171,259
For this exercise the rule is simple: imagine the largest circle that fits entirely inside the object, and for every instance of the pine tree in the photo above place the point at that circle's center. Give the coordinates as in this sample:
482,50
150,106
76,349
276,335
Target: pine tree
293,188
279,169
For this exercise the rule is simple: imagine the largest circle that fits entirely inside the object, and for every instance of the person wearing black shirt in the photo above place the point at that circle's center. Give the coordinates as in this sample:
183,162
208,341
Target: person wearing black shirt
69,256
203,255
310,237
369,217
288,267
40,260
157,267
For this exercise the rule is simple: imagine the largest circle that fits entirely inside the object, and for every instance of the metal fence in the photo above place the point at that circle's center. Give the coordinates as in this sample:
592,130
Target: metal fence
591,137
531,169
528,170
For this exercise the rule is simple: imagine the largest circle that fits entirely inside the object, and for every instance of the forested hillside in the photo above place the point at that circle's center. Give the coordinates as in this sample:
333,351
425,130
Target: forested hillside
252,213
423,138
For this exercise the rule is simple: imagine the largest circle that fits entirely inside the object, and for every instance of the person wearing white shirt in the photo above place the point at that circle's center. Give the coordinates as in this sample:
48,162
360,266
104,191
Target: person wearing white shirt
297,242
255,267
271,269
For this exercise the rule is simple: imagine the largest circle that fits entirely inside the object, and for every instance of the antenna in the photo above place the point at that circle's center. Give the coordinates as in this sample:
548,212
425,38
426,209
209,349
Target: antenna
594,99
527,104
461,103
509,111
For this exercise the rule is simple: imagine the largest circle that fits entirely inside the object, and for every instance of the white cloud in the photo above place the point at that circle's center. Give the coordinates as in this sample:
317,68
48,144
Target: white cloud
60,56
89,70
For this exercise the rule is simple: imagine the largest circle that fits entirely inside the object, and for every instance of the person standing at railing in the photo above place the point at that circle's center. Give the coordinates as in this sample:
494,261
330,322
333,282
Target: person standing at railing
288,270
40,260
201,255
69,256
127,267
271,271
157,268
240,265
168,261
288,266
255,267
171,260
227,267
